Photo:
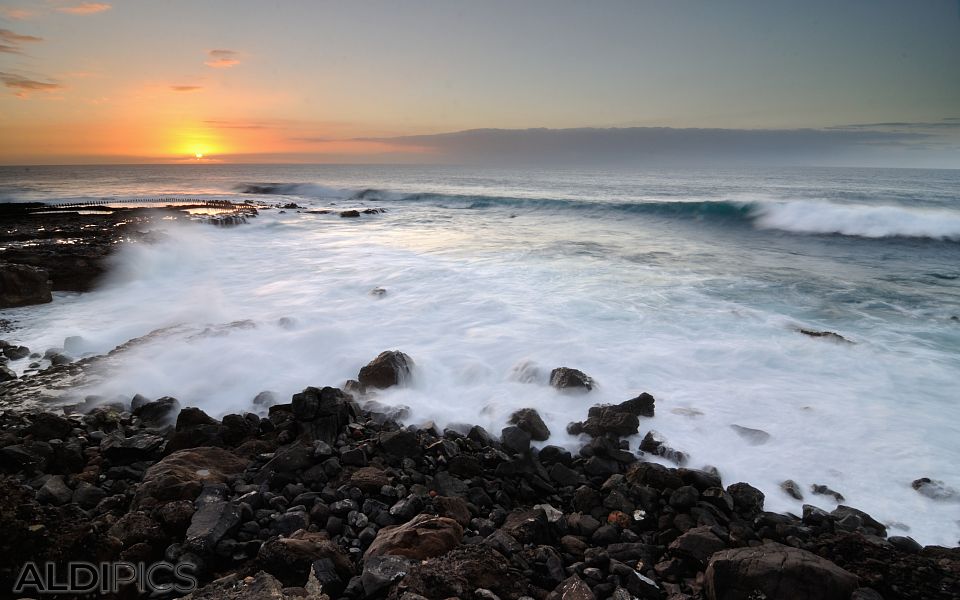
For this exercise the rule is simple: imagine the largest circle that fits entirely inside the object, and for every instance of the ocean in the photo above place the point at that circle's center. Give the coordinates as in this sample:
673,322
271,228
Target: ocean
689,284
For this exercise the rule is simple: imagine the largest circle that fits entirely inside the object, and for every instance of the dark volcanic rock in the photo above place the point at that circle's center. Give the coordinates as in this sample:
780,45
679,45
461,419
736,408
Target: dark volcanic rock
747,500
322,413
602,420
7,374
829,335
515,439
402,443
934,488
791,488
210,524
388,369
48,426
54,491
159,413
776,571
22,285
565,378
529,420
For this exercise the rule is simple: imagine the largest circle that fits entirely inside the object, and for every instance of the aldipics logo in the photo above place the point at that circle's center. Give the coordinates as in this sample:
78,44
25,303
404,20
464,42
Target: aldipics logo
105,578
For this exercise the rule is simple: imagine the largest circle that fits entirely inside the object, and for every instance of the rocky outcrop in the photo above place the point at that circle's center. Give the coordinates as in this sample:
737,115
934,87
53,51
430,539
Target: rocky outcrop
22,285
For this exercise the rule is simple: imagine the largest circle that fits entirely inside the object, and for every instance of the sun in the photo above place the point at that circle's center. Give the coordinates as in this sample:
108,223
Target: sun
199,155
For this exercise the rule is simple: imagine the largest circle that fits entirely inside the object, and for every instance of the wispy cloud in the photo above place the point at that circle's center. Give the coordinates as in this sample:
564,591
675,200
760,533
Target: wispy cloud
222,59
945,123
85,8
15,14
24,86
10,41
186,88
216,124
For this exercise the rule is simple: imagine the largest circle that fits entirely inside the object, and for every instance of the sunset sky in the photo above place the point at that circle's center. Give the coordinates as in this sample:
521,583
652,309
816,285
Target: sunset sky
310,81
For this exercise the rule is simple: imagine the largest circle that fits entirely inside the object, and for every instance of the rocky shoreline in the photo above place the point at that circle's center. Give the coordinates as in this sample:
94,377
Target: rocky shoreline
328,495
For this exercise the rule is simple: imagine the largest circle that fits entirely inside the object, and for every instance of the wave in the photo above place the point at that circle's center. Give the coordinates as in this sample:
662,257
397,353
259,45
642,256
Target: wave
858,220
792,216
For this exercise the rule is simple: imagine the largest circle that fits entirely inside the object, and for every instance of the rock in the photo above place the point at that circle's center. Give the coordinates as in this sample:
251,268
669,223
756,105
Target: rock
16,352
402,444
863,520
792,489
54,491
136,528
463,570
159,413
387,369
829,335
564,378
515,440
380,572
28,457
776,571
684,497
747,500
934,489
290,559
210,524
7,374
378,292
423,537
573,588
22,285
754,437
289,459
181,475
369,479
825,491
262,586
529,420
120,450
349,213
905,544
454,508
698,544
265,399
87,495
47,426
641,406
602,420
195,429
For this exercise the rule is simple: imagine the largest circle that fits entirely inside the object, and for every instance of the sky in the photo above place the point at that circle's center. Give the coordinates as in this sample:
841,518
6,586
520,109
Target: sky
860,82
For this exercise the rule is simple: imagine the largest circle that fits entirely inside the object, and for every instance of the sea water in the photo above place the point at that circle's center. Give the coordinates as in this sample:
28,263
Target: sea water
688,284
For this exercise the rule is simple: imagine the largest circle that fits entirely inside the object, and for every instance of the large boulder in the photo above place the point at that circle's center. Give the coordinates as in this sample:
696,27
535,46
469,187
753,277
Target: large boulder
210,524
423,537
262,586
775,571
388,369
22,285
181,475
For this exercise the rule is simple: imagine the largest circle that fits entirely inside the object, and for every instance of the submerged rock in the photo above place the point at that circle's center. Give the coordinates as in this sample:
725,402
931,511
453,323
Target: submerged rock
792,489
935,489
754,437
829,335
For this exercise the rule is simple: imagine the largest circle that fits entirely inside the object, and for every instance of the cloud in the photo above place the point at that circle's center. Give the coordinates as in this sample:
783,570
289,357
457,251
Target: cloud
222,59
945,123
24,86
10,41
233,124
85,8
657,145
15,14
185,88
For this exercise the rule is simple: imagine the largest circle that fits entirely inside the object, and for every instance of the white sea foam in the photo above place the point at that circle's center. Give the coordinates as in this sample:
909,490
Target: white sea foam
864,419
858,220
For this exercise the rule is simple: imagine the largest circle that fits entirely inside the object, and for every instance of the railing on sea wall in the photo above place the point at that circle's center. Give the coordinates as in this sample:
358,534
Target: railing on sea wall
107,203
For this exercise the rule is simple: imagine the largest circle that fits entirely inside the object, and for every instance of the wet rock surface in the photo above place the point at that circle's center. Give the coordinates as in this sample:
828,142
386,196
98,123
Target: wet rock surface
322,498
